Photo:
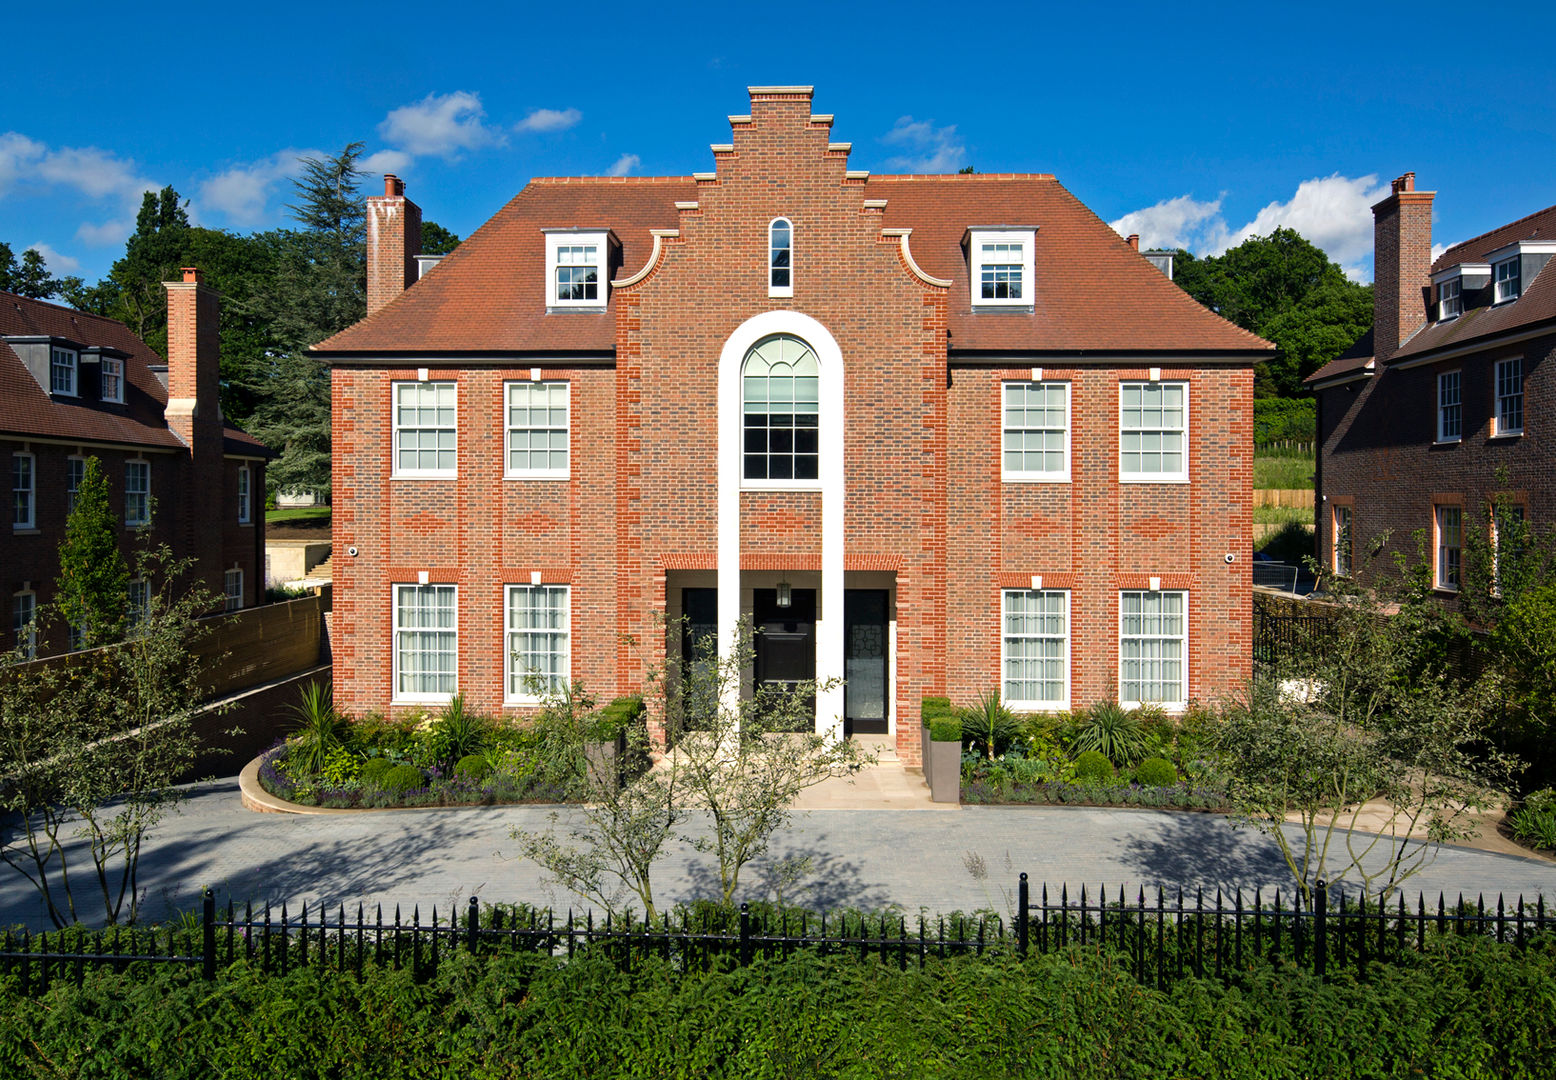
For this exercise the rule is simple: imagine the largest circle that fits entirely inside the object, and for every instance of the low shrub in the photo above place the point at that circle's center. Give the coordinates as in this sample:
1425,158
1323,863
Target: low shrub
1092,765
402,778
373,770
932,708
1156,772
619,717
945,729
473,767
1534,823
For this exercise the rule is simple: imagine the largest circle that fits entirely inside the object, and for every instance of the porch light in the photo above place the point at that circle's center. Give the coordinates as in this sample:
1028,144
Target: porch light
785,594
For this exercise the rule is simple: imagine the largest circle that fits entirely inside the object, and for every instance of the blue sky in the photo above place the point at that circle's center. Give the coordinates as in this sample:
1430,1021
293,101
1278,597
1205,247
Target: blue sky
1192,124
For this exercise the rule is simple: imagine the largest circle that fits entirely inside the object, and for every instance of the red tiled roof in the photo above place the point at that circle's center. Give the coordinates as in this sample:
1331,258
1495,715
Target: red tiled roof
1093,293
27,409
1537,304
1356,358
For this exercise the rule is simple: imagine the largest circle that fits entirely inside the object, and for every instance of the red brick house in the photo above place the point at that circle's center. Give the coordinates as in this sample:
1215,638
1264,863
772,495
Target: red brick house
1451,390
932,434
74,386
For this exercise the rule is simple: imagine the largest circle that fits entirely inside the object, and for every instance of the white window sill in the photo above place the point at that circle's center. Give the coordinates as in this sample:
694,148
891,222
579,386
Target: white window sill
779,292
1448,442
769,485
429,475
1137,478
1519,434
555,308
1020,306
1165,706
1038,706
1446,590
26,530
422,699
563,475
1035,478
137,524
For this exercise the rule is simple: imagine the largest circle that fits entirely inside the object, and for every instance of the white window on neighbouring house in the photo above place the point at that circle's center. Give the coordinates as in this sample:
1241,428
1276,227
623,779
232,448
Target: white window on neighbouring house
1450,305
1035,648
244,504
538,426
1344,546
1000,267
1509,417
75,472
781,405
1450,407
1153,432
1036,435
780,258
24,622
537,641
62,371
1505,276
112,385
426,440
426,642
1448,523
575,269
138,606
24,491
137,493
232,586
1153,648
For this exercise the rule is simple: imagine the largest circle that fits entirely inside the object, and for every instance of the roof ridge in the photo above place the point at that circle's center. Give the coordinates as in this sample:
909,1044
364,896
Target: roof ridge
614,179
1497,229
959,177
60,307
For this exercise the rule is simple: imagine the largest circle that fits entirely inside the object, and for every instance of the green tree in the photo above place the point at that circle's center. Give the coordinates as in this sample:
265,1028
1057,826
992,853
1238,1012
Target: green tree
29,277
436,240
154,253
93,578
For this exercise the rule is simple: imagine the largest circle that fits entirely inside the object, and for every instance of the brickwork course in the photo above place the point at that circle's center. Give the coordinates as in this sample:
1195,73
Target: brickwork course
881,263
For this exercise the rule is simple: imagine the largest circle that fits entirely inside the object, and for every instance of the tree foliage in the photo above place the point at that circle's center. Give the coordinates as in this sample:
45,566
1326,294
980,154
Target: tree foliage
93,578
28,276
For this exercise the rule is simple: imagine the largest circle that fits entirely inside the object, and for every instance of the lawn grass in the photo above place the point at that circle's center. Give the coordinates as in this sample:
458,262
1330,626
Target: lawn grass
1282,472
297,513
1280,515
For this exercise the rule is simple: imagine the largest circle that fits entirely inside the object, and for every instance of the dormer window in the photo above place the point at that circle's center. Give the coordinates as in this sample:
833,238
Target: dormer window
62,371
113,379
780,250
1000,266
1450,305
1505,274
575,269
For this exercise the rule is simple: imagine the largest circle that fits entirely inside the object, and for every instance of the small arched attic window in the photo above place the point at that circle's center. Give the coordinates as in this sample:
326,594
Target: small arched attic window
780,252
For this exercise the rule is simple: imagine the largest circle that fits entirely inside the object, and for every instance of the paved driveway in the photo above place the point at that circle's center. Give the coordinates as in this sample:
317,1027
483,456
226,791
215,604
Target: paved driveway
867,858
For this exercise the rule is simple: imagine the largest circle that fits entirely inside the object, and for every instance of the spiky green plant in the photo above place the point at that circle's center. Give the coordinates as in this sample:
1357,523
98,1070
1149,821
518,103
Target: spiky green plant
989,726
316,728
1112,731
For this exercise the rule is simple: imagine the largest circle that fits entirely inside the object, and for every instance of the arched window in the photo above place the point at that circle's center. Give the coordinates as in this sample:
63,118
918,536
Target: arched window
780,249
781,405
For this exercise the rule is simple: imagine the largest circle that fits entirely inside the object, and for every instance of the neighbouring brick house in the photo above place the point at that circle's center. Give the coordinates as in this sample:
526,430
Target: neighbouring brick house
934,434
74,386
1450,391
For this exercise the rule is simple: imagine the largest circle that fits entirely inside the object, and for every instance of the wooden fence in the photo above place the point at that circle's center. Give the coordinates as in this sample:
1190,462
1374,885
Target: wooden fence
1294,498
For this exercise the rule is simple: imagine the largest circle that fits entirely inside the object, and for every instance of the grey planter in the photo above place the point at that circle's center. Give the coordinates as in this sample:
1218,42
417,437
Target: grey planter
943,768
604,764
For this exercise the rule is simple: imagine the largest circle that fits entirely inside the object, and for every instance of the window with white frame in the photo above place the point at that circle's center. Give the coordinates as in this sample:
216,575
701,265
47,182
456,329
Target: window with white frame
1505,276
138,601
75,472
24,491
781,406
1035,648
1449,525
538,641
243,495
62,371
24,622
1154,432
575,269
232,587
137,493
538,425
1000,267
426,440
426,642
112,385
1450,304
780,262
1509,376
1153,648
1450,407
1036,435
1344,545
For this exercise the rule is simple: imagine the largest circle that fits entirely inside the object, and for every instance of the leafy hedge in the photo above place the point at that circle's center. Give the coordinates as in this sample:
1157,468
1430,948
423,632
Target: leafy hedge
1284,420
1469,1009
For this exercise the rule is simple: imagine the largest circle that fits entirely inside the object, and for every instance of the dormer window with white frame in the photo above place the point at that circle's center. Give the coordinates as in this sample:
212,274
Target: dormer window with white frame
112,385
1505,276
780,257
62,371
576,269
1450,304
999,263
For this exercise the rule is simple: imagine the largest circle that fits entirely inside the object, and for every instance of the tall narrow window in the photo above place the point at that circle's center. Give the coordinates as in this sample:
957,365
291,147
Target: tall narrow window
232,586
24,623
139,601
782,410
1153,648
1510,396
1450,305
425,437
780,250
24,491
538,429
243,495
1509,541
1036,435
1153,432
1036,648
1450,539
137,493
75,472
112,379
62,371
1506,275
1344,550
1450,407
537,641
426,642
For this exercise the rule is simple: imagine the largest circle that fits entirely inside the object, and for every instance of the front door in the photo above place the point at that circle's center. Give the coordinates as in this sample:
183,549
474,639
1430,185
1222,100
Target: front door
785,639
865,622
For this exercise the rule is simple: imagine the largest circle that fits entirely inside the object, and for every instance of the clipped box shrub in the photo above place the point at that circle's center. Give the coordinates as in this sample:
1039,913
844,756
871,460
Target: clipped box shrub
945,729
1093,766
402,778
373,770
620,716
472,767
932,708
1156,772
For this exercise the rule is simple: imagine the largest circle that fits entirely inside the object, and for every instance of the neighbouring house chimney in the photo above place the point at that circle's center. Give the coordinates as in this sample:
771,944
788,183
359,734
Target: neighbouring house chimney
393,241
194,414
1134,240
1401,265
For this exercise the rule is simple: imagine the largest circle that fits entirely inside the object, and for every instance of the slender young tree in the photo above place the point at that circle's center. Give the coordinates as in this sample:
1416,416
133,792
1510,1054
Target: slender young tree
93,578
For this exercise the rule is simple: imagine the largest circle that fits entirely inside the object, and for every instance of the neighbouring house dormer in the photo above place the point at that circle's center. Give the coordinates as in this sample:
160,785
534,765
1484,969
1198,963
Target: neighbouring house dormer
999,265
578,264
1457,289
102,374
1514,266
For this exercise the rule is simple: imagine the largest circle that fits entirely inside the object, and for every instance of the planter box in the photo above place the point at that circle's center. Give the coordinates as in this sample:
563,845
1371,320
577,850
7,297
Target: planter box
604,761
943,768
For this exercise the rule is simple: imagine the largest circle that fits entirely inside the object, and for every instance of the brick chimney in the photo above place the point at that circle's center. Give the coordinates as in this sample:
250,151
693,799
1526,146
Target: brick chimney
194,414
1401,265
393,242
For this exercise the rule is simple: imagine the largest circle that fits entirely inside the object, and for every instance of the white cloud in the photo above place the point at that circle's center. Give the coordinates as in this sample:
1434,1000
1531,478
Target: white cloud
549,120
1332,212
927,149
1438,249
624,165
105,234
57,263
386,161
243,191
441,124
18,157
92,172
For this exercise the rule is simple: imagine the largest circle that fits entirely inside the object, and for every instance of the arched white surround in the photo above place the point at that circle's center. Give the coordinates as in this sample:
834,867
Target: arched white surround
830,482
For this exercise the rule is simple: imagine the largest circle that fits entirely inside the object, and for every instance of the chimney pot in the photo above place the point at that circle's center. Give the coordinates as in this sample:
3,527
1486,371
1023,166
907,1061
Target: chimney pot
192,274
1134,241
393,185
1405,183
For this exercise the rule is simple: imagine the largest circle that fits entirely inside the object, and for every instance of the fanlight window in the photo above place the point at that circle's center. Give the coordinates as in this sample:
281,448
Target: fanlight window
781,405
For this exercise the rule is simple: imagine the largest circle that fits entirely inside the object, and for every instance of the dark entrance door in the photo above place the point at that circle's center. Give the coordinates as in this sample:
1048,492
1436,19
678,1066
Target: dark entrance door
865,668
785,639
